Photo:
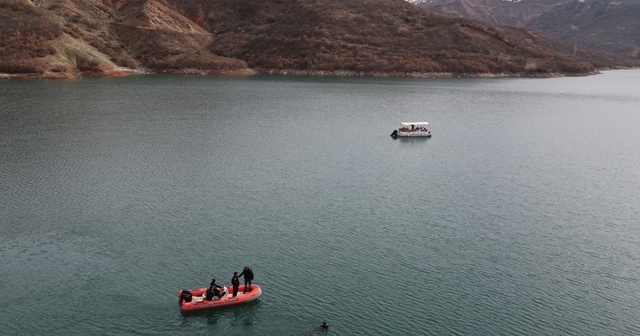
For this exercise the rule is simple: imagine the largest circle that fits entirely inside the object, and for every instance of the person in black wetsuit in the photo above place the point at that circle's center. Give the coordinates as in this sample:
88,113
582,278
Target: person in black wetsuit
214,290
248,277
235,282
321,329
324,327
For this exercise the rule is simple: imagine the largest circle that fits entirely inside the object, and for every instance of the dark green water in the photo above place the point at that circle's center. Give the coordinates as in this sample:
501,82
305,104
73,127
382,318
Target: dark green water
521,216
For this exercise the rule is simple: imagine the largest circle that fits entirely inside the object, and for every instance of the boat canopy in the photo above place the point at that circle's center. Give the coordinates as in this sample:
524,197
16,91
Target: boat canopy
419,123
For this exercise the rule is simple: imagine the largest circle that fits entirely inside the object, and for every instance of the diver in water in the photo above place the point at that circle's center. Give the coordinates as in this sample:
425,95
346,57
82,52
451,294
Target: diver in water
321,329
324,327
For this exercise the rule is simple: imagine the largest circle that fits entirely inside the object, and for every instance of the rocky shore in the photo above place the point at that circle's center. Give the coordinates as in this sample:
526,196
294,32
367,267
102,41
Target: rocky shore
420,74
72,75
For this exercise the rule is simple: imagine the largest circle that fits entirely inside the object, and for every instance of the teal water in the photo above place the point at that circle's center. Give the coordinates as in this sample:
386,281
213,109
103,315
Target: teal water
520,216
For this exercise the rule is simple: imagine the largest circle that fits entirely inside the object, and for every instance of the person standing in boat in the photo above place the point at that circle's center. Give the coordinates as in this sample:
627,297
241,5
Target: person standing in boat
248,277
235,283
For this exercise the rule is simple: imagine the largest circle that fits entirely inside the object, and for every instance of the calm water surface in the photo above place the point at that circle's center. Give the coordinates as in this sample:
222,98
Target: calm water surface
519,217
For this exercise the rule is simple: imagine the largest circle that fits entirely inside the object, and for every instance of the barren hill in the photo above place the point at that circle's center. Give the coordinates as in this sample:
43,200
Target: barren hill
606,25
385,37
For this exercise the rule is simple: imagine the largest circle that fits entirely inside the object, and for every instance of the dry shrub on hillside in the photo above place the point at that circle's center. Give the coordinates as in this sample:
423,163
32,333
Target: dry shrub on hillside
25,32
332,35
168,50
377,36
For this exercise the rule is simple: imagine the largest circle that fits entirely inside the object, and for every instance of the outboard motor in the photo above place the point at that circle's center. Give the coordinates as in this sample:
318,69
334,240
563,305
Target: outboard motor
186,296
394,134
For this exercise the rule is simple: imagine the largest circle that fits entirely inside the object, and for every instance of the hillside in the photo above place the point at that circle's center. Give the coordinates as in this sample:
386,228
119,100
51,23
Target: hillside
62,38
611,26
68,38
502,12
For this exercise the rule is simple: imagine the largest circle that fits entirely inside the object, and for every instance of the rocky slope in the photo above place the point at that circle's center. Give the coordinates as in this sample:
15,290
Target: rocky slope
62,38
67,38
606,25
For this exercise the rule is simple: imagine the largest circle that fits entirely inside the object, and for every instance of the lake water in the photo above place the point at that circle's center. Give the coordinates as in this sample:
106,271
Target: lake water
520,216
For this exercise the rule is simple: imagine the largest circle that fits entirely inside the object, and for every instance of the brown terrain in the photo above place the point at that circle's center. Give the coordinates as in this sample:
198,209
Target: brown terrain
69,38
606,25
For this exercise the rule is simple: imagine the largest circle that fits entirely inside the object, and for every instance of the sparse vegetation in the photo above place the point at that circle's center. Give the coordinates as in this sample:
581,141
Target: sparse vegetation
607,26
230,36
25,33
376,36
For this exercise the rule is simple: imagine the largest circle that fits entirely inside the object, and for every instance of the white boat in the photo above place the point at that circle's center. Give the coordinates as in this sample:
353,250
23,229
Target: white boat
412,129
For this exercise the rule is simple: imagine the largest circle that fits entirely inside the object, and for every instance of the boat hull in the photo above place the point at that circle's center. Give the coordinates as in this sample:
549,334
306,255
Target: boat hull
199,304
414,134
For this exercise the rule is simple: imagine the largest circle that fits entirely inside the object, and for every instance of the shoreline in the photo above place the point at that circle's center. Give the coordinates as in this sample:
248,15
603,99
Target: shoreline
120,72
349,73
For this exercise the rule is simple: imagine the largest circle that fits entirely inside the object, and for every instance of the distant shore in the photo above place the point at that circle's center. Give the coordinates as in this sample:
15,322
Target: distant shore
118,72
348,73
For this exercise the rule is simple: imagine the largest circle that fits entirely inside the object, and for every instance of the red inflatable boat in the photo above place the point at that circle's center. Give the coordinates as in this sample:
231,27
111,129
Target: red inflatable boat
199,303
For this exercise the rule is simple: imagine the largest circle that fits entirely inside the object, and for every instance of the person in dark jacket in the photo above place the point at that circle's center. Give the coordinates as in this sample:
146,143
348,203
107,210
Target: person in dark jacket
214,290
235,282
248,277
